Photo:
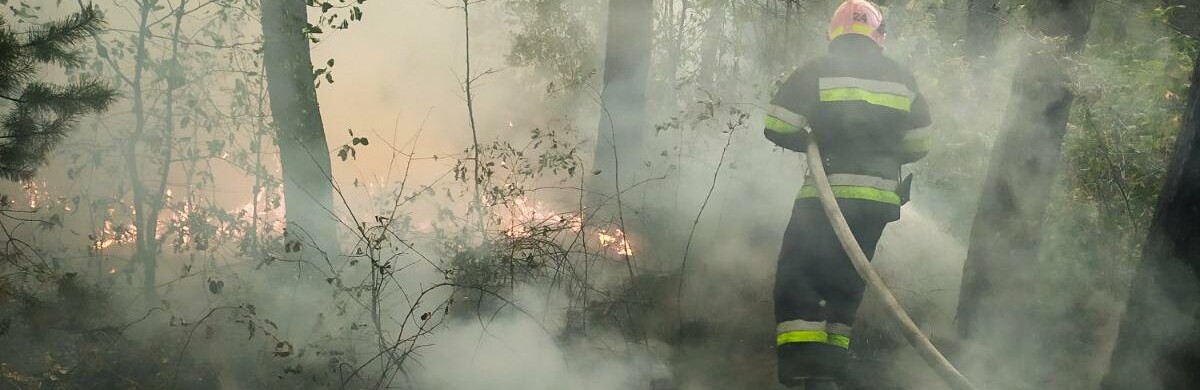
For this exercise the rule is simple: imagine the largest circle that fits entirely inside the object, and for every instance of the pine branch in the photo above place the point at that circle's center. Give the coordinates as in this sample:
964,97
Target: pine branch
16,67
52,42
77,98
43,116
30,140
17,157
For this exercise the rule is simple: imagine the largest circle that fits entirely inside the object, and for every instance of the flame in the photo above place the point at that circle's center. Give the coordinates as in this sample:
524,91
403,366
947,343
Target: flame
526,215
111,234
618,238
33,192
605,239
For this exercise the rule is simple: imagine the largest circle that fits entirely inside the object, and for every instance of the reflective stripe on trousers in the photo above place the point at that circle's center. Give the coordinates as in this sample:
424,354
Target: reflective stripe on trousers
839,334
801,331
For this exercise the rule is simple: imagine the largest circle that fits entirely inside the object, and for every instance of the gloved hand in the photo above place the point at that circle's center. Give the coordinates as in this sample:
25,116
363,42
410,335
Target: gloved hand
794,141
905,189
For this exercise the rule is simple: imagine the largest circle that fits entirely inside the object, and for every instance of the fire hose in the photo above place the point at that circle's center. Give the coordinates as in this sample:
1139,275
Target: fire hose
924,347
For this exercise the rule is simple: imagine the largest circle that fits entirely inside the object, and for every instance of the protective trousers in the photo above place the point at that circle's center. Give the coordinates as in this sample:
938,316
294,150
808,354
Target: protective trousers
817,290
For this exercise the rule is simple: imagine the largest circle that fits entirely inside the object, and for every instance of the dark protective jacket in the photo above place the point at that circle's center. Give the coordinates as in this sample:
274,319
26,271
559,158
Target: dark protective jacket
866,114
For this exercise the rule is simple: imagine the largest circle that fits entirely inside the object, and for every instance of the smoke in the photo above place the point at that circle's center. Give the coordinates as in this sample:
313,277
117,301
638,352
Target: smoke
399,82
519,351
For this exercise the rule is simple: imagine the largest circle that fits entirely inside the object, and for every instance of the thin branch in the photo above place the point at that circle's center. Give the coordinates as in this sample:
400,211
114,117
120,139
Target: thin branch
478,206
687,247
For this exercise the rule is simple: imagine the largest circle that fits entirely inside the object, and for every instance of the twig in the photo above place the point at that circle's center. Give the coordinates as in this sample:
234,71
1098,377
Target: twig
687,247
629,265
471,109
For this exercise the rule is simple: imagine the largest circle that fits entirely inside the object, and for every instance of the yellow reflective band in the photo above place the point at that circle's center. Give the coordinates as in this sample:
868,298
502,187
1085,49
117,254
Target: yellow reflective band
812,336
854,192
802,336
857,28
902,103
916,144
780,112
780,126
875,86
849,179
839,340
839,328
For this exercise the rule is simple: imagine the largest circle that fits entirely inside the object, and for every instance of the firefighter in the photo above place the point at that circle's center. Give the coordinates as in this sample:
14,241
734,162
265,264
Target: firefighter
864,111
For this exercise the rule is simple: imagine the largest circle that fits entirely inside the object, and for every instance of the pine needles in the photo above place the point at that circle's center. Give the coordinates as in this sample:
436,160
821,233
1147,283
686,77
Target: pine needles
41,114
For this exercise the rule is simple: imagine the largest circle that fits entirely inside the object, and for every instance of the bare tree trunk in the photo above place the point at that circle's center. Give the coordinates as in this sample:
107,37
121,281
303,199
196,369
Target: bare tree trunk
159,201
303,151
1158,346
1007,227
1184,16
1063,18
710,52
143,251
626,68
1005,235
983,30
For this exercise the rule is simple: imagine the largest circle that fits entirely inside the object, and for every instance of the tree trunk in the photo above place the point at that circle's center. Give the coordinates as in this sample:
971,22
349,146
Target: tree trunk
303,151
1158,346
143,251
710,52
626,67
1003,253
1007,225
1063,18
983,30
1184,16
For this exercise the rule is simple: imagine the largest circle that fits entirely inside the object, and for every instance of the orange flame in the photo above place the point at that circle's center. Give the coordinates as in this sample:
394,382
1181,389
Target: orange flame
618,238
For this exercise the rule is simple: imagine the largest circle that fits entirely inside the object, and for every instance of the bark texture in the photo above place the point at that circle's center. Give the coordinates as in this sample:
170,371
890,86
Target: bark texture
626,67
303,151
983,29
1158,346
1007,226
996,311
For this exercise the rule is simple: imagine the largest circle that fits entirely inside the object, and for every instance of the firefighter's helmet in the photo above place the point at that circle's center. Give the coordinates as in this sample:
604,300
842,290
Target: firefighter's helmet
858,17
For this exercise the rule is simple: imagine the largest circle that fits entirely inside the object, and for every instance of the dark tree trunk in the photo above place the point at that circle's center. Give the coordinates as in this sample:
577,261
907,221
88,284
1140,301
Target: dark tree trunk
143,221
1063,18
1158,346
983,30
303,151
1004,242
1184,16
626,66
710,53
1007,226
